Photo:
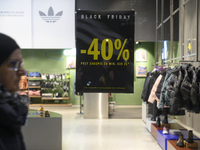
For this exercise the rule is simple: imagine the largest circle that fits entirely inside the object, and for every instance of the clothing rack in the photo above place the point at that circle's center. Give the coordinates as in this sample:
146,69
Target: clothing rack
191,55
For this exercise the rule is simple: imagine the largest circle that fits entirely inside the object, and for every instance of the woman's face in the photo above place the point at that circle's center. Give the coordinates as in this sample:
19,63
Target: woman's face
9,77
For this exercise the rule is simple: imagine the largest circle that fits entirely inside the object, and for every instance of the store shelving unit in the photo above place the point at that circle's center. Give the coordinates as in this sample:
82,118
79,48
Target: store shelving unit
55,98
39,87
34,87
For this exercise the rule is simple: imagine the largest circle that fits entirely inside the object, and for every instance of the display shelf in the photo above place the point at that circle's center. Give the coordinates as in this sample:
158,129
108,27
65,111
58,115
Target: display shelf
22,91
33,78
171,145
55,98
163,138
154,128
33,113
32,87
149,122
41,80
43,133
35,96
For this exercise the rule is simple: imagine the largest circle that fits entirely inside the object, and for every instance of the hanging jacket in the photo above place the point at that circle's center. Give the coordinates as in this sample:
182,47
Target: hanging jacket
176,101
163,73
151,80
185,94
153,109
170,88
186,84
186,87
194,90
164,96
197,71
152,96
145,84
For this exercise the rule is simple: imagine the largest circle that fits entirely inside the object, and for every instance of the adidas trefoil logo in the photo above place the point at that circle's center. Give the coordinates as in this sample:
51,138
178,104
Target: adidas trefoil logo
50,18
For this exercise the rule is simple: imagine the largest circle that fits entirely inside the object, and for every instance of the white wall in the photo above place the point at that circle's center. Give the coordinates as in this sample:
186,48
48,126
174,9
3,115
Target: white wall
39,23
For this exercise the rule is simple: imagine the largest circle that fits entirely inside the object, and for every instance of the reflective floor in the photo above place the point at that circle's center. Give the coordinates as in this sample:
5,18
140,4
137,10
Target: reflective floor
107,134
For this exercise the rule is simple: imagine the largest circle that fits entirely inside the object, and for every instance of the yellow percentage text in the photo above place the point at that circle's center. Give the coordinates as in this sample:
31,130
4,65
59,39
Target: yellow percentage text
107,44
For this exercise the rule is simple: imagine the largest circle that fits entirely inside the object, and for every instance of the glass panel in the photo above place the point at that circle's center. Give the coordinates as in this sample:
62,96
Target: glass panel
176,37
159,50
176,26
199,37
159,44
190,31
167,30
159,12
176,51
176,4
166,50
159,34
166,8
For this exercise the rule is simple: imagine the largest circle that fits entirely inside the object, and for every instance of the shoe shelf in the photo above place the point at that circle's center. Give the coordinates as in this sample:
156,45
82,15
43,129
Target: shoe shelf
154,128
163,138
168,141
33,78
55,98
171,144
33,96
33,87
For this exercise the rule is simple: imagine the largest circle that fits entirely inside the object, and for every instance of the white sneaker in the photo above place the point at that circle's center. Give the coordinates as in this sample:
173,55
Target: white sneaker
165,130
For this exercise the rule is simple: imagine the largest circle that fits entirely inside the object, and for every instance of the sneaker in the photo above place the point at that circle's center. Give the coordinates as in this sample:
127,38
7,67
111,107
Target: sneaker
165,120
180,141
153,118
190,137
165,130
158,122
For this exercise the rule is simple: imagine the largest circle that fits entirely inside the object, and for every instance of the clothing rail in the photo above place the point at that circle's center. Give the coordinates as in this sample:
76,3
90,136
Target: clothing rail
180,58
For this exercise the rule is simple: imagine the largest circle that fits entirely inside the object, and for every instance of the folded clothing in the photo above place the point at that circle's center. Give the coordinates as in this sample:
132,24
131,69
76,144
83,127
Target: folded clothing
50,95
34,74
34,92
22,93
34,83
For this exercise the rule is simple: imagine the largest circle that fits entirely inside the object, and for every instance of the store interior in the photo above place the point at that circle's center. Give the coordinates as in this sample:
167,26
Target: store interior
167,31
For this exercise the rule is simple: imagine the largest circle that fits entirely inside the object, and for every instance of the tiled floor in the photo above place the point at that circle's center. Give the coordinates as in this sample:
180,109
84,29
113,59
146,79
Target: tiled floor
106,134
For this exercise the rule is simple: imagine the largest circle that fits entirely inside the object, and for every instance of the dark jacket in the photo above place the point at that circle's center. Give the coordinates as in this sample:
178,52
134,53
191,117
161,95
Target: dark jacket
163,73
152,108
194,92
149,84
12,116
164,95
145,85
184,92
194,88
176,100
186,87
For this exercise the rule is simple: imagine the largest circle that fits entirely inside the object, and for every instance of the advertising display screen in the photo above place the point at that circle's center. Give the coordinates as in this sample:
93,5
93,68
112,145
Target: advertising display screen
105,51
